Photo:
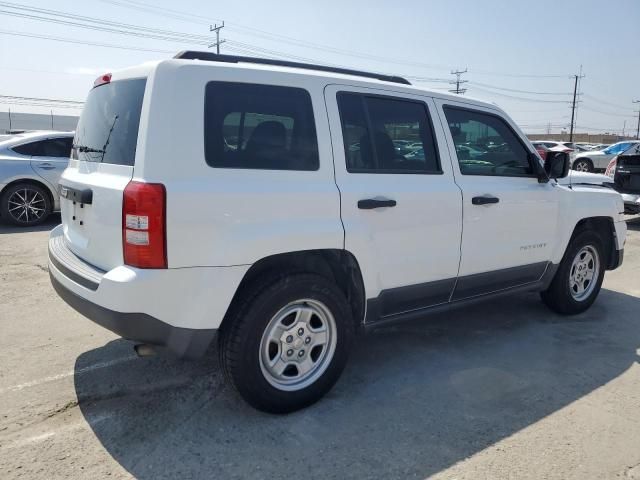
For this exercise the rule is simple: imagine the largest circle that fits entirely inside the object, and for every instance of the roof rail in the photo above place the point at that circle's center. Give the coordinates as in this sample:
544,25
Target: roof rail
214,57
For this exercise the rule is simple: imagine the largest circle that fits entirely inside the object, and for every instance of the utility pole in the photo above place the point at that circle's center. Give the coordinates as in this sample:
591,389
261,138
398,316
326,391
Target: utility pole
51,119
9,119
573,105
216,28
457,82
638,129
549,128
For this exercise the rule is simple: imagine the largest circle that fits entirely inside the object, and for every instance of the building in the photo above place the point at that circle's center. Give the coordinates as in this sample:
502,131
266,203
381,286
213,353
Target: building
36,121
581,137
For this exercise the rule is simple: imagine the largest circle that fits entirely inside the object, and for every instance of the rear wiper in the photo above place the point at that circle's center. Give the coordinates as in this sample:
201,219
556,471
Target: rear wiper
85,149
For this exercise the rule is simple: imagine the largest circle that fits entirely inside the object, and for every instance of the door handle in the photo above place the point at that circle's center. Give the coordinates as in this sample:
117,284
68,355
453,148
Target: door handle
371,203
484,200
46,166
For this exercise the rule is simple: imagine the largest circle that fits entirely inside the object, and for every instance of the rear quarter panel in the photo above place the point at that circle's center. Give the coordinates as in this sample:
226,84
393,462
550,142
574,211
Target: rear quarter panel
223,217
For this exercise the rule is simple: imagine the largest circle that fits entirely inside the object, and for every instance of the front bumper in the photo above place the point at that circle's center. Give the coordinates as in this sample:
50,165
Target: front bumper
631,203
180,309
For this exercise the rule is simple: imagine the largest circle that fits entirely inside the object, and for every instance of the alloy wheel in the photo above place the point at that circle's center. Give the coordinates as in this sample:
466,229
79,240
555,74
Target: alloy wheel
26,205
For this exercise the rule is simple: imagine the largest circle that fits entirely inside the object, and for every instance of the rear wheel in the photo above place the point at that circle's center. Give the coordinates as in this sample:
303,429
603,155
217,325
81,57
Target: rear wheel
285,346
579,277
583,165
25,204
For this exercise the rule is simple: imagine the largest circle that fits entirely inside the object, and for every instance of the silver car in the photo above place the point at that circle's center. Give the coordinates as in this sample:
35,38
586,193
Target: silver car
30,167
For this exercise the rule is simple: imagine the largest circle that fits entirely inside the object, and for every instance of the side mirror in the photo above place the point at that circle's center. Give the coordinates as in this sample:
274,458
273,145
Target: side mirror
557,164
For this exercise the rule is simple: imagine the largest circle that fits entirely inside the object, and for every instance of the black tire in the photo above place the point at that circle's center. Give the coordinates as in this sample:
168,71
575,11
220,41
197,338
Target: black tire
241,340
583,165
29,216
559,296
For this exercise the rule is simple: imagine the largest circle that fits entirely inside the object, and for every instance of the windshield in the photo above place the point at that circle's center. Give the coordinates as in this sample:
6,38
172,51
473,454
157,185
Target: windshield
617,148
108,127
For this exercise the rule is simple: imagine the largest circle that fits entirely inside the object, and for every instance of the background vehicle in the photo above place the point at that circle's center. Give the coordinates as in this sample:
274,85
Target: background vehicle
599,160
553,146
624,169
314,226
30,168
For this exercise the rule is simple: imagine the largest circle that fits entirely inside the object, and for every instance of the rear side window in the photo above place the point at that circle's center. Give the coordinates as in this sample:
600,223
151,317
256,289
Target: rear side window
107,131
55,147
386,135
28,148
259,127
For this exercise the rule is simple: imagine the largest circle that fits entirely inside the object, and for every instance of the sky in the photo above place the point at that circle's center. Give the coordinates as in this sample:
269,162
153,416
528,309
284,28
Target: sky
519,55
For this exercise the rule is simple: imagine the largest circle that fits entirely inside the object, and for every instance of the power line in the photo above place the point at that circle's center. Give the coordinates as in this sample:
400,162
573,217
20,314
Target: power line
516,91
81,42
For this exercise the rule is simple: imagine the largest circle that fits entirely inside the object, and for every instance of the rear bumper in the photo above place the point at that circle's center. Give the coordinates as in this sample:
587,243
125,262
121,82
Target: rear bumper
139,327
176,308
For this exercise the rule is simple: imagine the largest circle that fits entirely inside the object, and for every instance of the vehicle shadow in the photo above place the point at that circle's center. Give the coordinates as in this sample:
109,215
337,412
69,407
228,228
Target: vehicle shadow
415,398
49,224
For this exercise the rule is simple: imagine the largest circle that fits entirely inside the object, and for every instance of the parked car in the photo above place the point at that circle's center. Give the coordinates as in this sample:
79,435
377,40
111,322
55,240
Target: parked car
289,245
600,146
624,169
30,168
556,147
599,160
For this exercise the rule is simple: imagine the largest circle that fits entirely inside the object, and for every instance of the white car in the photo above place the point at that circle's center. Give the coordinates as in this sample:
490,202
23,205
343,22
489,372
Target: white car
30,168
598,160
264,202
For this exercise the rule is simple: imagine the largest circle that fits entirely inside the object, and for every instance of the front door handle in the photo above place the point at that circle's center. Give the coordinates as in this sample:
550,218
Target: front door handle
371,203
484,200
46,166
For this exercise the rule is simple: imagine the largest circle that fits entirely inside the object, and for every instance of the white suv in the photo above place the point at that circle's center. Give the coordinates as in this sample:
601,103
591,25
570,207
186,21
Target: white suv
266,201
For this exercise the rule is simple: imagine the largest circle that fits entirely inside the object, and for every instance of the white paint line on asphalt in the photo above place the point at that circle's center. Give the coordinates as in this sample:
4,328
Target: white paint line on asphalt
53,378
91,420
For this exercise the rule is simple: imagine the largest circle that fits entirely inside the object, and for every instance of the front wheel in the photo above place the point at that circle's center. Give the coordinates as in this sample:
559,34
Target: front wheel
284,347
583,165
579,277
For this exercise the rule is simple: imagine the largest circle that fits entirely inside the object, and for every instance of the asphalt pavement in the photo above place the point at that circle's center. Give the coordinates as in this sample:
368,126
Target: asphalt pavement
504,389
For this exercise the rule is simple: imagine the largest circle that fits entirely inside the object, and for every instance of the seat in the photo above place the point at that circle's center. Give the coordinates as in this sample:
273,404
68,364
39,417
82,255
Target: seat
266,148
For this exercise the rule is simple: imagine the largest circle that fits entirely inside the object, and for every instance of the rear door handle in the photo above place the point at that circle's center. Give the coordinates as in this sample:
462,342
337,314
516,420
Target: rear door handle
46,166
484,200
371,203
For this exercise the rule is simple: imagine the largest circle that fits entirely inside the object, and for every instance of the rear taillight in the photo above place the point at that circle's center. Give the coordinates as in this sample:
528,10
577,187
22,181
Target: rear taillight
611,168
144,241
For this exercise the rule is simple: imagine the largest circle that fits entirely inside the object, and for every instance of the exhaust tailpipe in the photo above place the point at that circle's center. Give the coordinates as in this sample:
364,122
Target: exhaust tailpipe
144,350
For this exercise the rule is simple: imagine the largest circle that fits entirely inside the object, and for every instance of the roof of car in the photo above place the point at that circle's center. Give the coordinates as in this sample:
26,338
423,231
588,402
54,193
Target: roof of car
338,74
19,138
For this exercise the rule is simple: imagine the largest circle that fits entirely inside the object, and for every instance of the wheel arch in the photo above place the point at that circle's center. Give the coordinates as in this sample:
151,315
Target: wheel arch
340,266
605,229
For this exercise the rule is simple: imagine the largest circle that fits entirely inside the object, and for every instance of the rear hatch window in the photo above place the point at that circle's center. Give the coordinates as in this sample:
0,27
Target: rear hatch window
107,131
105,145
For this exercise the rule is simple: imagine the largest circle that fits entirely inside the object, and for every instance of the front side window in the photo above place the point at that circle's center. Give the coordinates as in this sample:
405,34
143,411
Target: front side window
485,145
386,135
259,127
